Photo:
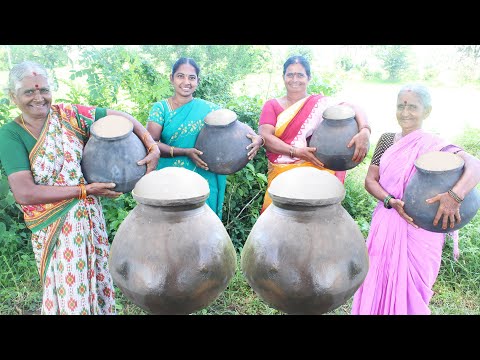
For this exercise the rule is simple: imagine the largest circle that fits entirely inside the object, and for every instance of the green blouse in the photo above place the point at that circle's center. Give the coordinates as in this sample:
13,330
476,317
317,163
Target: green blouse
16,144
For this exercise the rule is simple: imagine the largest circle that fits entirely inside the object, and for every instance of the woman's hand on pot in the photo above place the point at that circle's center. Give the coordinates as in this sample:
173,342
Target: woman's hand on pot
102,189
308,154
194,154
257,142
398,204
449,209
151,159
360,140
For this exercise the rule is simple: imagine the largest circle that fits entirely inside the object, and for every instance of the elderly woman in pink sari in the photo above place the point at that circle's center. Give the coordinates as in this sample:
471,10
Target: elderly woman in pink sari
41,153
286,124
405,259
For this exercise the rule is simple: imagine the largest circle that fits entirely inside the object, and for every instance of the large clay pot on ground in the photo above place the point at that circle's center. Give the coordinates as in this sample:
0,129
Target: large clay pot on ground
437,172
172,254
332,136
305,254
112,152
223,142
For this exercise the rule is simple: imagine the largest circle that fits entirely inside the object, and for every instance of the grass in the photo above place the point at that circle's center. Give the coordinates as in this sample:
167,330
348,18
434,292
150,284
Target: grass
456,290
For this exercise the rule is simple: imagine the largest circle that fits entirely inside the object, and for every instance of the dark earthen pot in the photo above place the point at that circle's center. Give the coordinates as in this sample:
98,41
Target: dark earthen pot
332,136
112,152
172,254
305,254
437,172
223,142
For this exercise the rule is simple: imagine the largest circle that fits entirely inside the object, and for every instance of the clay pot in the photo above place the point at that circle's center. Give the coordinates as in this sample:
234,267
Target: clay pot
332,136
172,254
112,152
305,254
437,172
223,142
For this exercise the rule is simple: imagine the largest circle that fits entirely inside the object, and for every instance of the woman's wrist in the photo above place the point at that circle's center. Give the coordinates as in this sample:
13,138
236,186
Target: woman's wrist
262,140
152,147
386,201
367,127
293,151
82,192
455,196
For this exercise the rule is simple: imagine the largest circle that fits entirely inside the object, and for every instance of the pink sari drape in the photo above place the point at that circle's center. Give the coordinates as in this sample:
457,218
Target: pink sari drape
290,126
404,261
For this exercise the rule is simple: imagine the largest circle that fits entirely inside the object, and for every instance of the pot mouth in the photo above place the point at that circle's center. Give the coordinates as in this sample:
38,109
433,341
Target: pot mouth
171,186
306,186
338,112
111,127
170,202
220,117
439,161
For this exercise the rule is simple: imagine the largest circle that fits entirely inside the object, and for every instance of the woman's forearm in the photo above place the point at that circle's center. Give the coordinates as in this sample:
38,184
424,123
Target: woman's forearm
470,177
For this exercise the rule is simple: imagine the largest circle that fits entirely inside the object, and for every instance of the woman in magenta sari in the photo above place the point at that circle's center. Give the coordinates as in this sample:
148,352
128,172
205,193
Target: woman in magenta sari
405,259
286,123
41,152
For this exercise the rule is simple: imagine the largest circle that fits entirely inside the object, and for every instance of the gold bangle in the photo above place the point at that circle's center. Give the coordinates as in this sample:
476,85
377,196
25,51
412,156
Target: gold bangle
79,197
83,192
263,140
171,150
151,147
292,151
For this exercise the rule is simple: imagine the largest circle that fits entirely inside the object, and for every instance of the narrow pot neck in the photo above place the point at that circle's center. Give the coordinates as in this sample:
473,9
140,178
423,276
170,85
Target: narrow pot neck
338,122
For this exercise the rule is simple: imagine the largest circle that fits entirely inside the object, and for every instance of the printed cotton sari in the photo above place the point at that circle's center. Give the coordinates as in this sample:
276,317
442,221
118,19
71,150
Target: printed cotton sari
69,237
294,126
404,261
180,129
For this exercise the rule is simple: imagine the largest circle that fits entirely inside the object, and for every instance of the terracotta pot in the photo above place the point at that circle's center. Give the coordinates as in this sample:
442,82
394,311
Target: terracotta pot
112,152
305,254
172,254
437,172
332,136
223,142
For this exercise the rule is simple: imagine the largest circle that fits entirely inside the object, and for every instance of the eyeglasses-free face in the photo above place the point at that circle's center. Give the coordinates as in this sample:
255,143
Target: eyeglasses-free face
410,111
295,78
291,75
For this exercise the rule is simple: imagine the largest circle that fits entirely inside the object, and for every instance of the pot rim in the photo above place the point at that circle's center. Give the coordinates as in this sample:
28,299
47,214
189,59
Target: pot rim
220,126
306,202
440,171
170,202
94,133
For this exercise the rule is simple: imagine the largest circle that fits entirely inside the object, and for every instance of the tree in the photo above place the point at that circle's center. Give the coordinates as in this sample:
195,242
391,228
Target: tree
304,50
394,58
51,56
469,51
234,61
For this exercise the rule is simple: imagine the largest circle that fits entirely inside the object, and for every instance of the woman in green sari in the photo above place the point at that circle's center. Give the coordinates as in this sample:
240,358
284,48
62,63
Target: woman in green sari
175,123
41,153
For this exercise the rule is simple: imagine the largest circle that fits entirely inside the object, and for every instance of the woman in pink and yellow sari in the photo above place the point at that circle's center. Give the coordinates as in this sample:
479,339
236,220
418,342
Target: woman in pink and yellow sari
287,123
405,259
41,151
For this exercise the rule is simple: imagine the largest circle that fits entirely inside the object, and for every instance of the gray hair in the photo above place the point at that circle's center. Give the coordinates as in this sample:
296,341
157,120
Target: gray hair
23,69
422,93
